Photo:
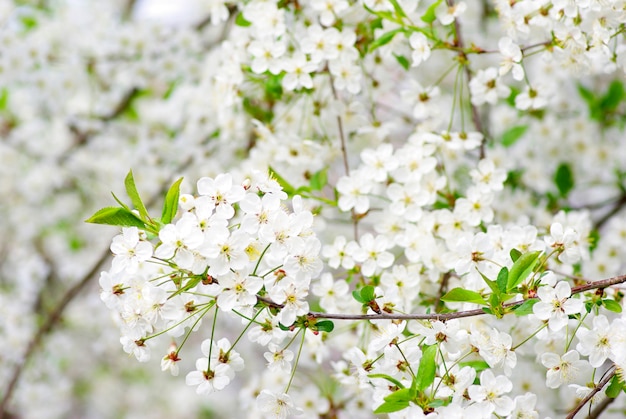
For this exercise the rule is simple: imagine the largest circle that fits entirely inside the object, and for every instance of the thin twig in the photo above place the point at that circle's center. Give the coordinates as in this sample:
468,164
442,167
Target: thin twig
608,376
601,407
344,154
604,283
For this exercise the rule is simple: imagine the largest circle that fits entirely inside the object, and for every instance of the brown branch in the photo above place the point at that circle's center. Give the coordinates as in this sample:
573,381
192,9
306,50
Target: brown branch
601,407
56,314
604,283
45,328
608,376
606,217
344,154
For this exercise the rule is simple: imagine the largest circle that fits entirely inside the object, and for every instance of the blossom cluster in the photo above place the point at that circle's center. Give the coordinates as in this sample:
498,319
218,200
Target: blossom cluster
438,158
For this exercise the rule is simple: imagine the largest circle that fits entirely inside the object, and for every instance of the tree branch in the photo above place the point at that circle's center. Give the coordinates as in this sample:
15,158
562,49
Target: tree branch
609,374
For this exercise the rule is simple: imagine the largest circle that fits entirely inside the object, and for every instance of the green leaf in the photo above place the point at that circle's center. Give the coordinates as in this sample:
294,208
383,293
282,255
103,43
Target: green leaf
4,99
388,378
383,39
404,394
511,99
522,267
611,100
131,190
193,281
587,95
389,407
319,180
515,254
564,179
429,16
404,62
241,21
502,280
462,295
525,308
511,135
357,296
170,206
116,217
612,305
367,293
477,365
325,326
427,368
397,8
492,284
614,388
287,187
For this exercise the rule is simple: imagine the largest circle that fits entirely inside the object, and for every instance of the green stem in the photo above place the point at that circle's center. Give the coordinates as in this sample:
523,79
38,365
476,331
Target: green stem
193,327
543,326
295,365
243,332
208,368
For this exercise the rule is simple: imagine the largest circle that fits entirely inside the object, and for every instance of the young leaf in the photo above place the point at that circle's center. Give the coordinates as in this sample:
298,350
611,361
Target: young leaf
511,135
325,326
367,293
564,179
612,305
525,308
492,284
170,206
462,295
426,372
611,100
357,296
388,378
397,8
383,39
614,388
131,190
287,187
116,217
404,62
319,180
389,407
515,254
503,277
522,267
429,16
241,21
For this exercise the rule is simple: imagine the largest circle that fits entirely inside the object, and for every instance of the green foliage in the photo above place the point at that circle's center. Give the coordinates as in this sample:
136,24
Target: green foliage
384,39
131,191
241,21
426,373
603,107
612,305
520,270
170,206
116,217
615,387
511,135
525,308
462,295
324,326
429,17
564,179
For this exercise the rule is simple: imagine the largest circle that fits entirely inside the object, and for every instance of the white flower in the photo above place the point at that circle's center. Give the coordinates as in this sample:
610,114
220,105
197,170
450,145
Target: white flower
278,406
238,290
208,381
223,193
555,305
562,369
129,251
489,394
373,254
596,341
421,49
278,359
486,87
